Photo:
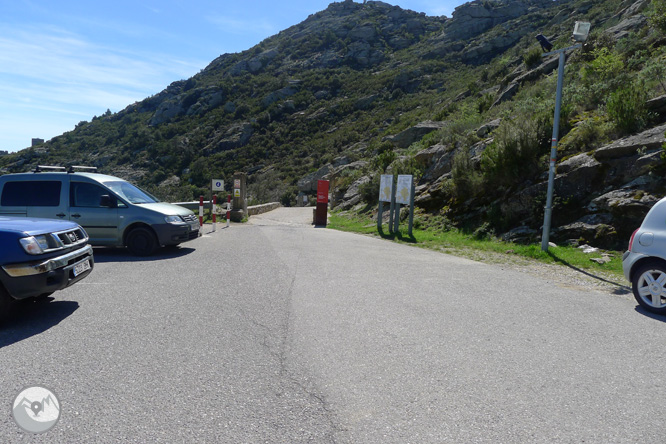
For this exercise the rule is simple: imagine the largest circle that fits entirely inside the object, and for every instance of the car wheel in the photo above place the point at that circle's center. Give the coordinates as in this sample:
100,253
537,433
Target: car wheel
649,287
141,242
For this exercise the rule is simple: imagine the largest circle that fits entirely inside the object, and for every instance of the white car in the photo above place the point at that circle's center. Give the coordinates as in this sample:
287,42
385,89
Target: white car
644,264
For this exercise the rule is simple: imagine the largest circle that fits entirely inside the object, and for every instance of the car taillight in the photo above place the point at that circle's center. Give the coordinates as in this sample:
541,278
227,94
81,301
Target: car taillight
631,241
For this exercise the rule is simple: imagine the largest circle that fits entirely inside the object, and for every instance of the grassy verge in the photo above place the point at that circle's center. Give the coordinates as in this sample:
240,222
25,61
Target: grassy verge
462,244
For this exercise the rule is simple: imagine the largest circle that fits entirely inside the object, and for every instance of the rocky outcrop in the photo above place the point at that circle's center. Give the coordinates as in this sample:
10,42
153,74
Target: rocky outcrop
352,196
405,138
476,17
627,26
196,101
309,183
235,136
280,94
254,64
651,139
516,79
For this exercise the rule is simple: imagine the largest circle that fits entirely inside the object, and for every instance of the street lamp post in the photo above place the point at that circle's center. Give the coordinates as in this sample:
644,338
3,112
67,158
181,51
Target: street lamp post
581,30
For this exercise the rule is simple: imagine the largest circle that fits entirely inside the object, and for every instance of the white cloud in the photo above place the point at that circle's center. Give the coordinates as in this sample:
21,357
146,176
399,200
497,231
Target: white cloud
51,79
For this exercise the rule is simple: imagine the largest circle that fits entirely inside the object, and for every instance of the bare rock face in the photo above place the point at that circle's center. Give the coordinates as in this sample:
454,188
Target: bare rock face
352,196
187,102
405,138
234,136
473,18
255,64
627,26
651,139
584,161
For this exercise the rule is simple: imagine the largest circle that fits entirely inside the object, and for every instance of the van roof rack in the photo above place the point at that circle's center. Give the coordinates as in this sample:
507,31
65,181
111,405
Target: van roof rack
81,167
40,168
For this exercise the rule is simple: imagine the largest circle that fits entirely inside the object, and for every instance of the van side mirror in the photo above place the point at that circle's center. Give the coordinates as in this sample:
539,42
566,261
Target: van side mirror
108,201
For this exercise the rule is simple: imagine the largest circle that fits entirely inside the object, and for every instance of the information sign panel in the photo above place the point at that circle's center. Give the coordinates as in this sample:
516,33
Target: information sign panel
322,191
385,187
403,191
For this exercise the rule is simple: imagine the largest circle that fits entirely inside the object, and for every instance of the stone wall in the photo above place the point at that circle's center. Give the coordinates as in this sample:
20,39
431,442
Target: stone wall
263,208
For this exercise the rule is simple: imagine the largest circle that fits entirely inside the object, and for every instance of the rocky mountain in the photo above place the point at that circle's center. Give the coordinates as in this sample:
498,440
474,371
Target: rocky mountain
465,103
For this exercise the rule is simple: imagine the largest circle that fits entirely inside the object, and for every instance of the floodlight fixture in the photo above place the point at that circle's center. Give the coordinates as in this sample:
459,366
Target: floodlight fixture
545,44
581,31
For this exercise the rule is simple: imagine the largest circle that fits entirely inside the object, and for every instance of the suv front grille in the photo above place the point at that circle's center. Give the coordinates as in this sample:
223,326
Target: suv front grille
72,237
66,239
189,218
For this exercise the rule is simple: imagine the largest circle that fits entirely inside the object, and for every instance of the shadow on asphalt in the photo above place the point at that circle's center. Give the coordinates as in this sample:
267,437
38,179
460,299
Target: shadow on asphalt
650,315
105,254
620,290
409,239
32,317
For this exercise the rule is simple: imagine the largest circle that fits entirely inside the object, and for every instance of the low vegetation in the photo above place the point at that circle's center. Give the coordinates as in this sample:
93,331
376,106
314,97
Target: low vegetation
480,247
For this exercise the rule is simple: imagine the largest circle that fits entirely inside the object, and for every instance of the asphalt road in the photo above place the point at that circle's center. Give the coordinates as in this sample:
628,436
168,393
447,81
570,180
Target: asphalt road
278,332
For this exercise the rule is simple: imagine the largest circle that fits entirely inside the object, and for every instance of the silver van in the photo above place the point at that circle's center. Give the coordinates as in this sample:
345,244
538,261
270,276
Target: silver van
111,210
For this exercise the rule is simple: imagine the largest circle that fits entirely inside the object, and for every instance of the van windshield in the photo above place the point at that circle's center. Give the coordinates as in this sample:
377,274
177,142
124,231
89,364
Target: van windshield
130,193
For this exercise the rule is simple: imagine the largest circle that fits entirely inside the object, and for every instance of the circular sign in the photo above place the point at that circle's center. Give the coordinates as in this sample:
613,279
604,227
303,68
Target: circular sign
36,409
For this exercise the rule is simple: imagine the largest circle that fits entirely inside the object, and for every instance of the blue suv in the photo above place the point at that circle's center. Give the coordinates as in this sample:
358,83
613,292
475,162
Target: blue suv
39,257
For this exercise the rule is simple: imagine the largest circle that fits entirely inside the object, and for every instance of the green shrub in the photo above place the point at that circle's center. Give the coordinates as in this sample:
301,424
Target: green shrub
515,154
532,58
627,109
466,180
657,16
370,190
383,160
603,74
587,135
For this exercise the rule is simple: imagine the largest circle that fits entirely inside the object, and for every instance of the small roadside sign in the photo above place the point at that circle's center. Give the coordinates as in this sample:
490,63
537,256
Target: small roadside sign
404,189
218,185
385,187
236,192
322,191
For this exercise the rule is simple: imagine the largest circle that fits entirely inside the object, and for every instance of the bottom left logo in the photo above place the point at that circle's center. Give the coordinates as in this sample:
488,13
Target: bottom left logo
36,409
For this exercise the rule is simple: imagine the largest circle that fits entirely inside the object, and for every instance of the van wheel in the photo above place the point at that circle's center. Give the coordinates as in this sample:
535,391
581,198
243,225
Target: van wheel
141,242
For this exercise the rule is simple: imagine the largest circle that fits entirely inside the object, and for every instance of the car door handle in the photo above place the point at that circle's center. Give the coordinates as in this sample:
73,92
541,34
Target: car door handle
76,215
61,214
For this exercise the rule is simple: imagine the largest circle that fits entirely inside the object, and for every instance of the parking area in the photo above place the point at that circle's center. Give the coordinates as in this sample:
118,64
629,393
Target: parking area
275,331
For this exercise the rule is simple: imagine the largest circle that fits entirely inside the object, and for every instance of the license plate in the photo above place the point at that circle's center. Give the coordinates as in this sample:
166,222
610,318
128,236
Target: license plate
81,268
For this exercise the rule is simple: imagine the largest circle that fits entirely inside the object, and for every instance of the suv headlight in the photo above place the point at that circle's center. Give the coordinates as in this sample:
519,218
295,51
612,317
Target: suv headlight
173,219
34,244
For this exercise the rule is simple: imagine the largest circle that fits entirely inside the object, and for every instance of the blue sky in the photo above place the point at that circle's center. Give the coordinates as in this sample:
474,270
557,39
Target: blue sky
65,61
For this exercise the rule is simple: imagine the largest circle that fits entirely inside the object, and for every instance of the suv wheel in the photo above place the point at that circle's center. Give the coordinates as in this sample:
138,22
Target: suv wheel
141,242
649,287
